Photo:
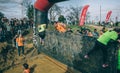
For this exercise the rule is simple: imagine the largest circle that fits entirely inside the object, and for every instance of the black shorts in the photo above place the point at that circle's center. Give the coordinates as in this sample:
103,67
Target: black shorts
42,35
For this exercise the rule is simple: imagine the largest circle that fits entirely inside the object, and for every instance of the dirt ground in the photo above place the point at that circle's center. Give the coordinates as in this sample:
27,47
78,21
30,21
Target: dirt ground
41,64
37,63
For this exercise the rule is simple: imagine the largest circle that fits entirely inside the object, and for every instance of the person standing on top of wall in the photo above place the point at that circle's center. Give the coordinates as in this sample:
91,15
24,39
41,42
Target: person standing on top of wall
102,43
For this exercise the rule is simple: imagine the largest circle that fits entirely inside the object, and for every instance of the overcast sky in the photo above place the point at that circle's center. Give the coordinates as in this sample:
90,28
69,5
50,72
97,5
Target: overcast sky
13,8
94,9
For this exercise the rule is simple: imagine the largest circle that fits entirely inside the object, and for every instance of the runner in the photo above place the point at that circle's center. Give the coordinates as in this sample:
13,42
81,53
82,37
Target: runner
118,67
26,68
102,42
60,27
41,30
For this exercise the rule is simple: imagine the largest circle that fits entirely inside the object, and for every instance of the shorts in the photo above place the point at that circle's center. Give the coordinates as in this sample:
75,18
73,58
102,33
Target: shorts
42,35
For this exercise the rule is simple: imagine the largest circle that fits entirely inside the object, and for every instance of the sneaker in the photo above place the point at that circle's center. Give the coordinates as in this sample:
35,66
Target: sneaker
86,57
105,65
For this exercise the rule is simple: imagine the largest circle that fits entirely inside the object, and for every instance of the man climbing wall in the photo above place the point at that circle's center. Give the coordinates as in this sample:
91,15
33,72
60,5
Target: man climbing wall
118,67
41,17
41,10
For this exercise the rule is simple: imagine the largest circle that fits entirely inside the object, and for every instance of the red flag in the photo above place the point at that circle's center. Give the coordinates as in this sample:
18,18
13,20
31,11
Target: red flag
83,15
108,16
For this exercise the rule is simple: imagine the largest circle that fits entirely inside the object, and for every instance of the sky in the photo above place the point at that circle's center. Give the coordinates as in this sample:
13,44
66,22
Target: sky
13,8
95,6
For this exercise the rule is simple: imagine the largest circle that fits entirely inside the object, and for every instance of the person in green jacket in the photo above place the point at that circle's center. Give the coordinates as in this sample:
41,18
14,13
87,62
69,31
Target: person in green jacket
118,66
102,42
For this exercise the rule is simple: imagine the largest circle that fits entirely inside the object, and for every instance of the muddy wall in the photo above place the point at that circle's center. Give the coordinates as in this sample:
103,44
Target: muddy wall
7,55
70,48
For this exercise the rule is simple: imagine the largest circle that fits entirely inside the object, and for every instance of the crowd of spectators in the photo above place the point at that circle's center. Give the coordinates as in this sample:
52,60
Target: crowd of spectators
10,27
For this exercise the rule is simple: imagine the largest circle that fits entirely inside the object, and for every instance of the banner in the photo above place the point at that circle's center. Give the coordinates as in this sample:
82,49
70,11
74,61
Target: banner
83,15
108,16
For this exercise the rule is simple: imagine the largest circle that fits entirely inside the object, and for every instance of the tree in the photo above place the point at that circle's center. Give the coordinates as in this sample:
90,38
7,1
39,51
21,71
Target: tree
1,15
74,14
26,5
61,18
53,12
30,11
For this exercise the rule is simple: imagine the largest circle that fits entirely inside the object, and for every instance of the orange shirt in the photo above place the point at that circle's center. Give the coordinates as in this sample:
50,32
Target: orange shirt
60,27
20,41
27,71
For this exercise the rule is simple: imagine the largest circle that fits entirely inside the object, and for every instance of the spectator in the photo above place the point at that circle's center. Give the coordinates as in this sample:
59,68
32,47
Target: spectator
103,31
9,35
20,41
89,33
95,33
111,24
15,44
2,35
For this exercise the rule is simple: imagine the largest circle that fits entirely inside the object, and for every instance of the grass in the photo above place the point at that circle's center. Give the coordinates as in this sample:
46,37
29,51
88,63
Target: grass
73,27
